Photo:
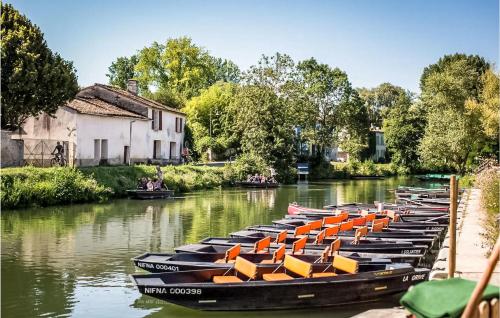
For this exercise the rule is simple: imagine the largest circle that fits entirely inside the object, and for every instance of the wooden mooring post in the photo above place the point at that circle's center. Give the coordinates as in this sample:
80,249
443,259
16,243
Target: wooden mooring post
452,230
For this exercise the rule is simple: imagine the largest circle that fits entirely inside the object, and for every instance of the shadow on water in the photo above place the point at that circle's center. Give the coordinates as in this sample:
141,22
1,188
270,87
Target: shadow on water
75,260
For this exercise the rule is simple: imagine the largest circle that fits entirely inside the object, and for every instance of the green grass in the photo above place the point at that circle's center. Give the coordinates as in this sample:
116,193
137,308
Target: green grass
30,186
489,183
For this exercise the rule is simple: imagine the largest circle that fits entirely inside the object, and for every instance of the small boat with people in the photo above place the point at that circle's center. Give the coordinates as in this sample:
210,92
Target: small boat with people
151,188
258,181
294,283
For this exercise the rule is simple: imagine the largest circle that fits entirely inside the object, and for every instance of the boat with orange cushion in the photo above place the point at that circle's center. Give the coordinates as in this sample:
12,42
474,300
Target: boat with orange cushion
294,284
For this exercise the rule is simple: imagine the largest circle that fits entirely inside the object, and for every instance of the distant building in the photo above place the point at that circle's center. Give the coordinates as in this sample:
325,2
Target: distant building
107,125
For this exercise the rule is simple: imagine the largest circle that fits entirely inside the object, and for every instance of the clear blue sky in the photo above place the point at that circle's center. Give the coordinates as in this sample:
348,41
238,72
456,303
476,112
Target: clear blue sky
374,41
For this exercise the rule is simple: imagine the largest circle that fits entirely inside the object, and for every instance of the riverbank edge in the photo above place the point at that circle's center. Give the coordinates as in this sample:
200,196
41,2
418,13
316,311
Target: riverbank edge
24,187
440,268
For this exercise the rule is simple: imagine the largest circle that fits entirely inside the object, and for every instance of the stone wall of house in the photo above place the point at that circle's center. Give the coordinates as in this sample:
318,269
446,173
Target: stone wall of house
11,150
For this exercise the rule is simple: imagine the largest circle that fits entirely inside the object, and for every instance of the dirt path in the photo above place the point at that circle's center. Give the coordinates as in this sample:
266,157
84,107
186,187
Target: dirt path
471,251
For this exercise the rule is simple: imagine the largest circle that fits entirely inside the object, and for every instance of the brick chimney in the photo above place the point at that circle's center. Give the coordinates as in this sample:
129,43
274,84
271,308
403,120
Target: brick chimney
132,86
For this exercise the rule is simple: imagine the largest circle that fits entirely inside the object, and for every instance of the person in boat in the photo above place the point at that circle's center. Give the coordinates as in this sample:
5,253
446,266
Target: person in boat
156,184
263,179
149,185
142,183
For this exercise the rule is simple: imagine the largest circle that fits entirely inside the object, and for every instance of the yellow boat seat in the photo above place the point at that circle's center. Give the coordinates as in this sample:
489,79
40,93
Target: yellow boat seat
243,267
226,279
276,276
317,275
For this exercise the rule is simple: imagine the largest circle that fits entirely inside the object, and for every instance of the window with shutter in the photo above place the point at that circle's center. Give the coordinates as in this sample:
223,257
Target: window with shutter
160,115
180,125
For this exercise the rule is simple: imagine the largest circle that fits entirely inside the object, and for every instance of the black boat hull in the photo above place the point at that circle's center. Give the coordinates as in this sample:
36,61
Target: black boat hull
185,289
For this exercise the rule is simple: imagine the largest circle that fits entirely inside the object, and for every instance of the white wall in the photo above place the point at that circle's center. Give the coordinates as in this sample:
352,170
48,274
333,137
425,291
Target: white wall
116,131
60,125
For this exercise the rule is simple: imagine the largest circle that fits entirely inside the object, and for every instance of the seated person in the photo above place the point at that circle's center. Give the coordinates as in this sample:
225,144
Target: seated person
156,184
149,185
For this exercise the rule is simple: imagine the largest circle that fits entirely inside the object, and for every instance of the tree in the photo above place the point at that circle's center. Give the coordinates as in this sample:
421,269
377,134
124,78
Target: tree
34,79
122,70
334,106
452,81
487,104
173,72
403,129
211,119
380,100
450,138
265,128
446,88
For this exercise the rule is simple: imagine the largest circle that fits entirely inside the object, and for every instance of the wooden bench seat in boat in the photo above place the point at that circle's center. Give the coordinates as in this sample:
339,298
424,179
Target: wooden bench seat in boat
230,255
263,245
278,255
305,269
242,267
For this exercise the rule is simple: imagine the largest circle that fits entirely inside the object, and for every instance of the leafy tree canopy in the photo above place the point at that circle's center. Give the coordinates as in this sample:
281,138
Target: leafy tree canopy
379,100
173,72
34,79
211,118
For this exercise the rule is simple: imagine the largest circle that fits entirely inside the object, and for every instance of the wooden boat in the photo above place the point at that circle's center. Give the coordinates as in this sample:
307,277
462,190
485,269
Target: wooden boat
295,284
367,177
412,227
427,240
148,195
420,225
386,206
265,185
177,262
247,240
199,248
440,217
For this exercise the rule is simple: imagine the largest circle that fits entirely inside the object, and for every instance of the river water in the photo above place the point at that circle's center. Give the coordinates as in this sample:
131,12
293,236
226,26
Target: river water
75,260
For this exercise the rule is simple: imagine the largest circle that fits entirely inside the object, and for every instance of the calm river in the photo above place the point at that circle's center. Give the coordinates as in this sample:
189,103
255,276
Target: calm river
75,260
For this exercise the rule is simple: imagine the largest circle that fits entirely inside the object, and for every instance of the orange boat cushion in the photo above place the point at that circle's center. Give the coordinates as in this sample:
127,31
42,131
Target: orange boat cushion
359,221
299,245
345,264
377,226
370,217
223,261
262,244
267,261
347,226
298,266
279,253
326,274
281,236
320,237
226,279
332,230
302,230
276,276
362,231
332,219
314,225
245,267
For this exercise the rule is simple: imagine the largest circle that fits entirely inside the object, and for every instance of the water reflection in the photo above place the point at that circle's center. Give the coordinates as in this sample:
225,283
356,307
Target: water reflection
75,260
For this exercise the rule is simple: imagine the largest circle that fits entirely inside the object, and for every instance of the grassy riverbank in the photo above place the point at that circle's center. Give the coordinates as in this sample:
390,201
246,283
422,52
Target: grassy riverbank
30,186
339,170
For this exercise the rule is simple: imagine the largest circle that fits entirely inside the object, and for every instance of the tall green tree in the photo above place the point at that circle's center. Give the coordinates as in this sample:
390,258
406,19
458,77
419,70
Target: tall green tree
122,70
334,107
34,79
211,119
265,128
446,88
173,72
379,100
403,130
449,140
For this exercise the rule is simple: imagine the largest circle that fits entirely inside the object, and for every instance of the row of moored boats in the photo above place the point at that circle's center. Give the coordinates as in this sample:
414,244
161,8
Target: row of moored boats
310,258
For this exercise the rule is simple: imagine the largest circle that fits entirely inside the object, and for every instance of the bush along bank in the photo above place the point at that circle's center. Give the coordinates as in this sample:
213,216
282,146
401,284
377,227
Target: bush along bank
30,186
339,170
489,182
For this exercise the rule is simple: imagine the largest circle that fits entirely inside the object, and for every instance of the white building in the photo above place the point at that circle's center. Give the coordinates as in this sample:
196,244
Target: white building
106,125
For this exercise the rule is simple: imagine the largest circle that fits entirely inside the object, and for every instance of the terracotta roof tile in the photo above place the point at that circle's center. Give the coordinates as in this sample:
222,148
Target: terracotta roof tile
148,102
95,106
